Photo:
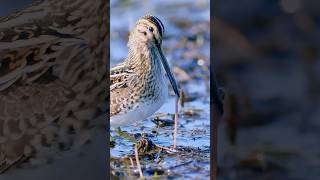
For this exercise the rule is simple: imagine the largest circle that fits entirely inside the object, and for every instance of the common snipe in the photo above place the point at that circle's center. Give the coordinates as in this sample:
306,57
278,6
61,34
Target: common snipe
53,57
138,85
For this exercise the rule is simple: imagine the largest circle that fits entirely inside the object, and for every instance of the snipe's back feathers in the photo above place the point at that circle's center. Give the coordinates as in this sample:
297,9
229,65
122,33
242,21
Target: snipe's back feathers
53,58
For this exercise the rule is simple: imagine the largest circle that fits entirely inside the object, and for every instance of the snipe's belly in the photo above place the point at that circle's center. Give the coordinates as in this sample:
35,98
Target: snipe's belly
142,109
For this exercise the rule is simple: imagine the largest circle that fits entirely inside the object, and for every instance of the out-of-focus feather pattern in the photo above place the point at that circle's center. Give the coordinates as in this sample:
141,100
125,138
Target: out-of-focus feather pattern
52,70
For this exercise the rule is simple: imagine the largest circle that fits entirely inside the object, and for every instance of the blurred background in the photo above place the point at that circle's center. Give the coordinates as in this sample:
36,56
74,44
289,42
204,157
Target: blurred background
266,56
7,7
186,46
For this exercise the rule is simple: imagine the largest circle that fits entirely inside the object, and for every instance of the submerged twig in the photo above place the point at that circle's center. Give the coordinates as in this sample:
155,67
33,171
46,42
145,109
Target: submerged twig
138,162
166,148
182,164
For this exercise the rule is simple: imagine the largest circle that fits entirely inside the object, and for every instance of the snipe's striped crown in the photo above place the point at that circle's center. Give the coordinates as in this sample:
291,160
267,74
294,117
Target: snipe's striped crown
156,21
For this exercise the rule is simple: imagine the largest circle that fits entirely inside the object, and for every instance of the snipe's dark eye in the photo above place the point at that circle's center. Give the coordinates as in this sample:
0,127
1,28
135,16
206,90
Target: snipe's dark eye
150,29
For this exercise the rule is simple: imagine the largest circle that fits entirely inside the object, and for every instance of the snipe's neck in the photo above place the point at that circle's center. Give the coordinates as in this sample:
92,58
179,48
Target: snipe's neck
142,57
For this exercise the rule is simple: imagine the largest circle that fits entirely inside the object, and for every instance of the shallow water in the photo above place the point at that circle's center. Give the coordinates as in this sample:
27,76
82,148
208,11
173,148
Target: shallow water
186,46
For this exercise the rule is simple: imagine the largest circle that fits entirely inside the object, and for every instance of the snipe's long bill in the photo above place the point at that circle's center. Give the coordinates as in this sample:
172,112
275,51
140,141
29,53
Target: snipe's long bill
139,85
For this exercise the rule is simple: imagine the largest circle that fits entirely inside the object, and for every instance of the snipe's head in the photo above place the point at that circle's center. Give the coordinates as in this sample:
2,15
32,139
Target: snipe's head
148,30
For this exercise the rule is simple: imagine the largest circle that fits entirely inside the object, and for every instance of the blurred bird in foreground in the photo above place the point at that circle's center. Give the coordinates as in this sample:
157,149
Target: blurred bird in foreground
53,57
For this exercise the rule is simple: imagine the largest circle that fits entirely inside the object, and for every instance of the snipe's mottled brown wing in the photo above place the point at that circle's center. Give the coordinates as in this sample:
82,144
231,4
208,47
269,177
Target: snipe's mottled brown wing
50,78
121,78
32,42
